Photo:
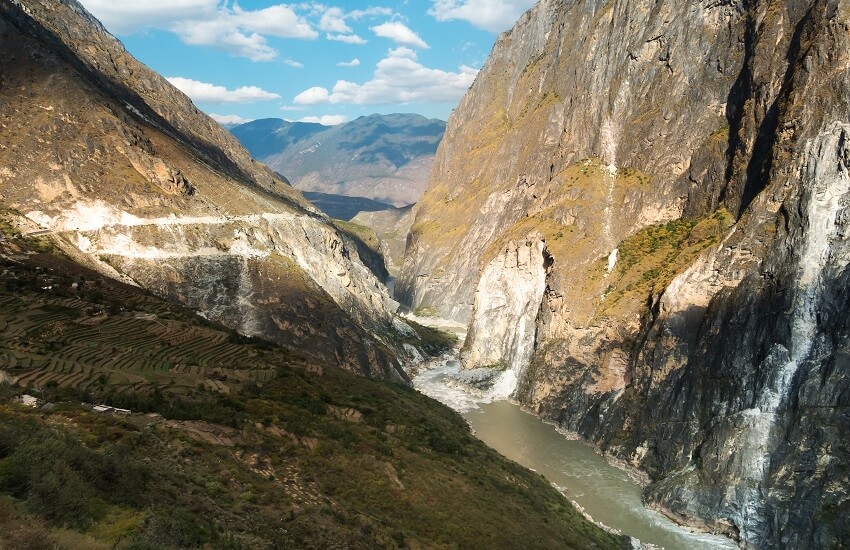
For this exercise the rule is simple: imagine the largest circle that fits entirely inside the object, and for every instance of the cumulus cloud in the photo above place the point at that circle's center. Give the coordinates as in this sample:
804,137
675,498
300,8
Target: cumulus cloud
210,23
127,17
313,96
293,63
326,120
333,20
353,63
278,20
491,15
222,36
203,92
398,78
229,119
347,38
400,33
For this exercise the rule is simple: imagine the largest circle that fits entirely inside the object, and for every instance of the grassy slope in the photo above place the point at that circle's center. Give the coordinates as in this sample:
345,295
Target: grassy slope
250,447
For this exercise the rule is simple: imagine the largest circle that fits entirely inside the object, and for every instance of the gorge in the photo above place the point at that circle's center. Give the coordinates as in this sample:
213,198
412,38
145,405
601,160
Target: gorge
659,254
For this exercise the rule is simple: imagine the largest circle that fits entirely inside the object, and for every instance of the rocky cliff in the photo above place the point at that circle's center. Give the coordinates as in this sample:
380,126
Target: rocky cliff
679,173
131,178
391,227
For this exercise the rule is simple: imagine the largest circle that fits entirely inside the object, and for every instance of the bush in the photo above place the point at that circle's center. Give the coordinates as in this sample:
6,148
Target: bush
60,479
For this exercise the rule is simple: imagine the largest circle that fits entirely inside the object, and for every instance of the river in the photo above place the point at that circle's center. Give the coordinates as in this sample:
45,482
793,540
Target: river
605,492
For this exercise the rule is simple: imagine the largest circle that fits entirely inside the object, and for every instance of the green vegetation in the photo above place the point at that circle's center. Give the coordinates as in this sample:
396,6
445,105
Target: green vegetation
424,311
361,233
651,258
233,442
432,340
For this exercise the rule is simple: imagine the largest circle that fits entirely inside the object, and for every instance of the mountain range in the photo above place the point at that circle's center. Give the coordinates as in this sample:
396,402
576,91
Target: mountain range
386,158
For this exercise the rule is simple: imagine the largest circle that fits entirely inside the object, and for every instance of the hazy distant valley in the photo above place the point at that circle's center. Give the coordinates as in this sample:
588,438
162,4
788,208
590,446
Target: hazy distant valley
385,158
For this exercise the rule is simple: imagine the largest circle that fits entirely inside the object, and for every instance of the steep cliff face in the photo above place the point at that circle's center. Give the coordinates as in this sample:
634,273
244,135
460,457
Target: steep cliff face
618,84
686,166
106,155
507,301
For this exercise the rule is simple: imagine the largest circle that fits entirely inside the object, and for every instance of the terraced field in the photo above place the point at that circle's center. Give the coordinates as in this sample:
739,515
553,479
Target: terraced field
60,326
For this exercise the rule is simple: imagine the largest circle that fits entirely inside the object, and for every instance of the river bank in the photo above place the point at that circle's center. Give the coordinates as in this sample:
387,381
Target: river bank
607,494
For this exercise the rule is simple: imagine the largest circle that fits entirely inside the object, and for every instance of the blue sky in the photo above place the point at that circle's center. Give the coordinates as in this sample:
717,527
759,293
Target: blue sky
322,62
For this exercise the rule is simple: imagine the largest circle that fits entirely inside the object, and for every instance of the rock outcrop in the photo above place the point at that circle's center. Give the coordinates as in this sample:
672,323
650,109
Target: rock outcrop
686,166
503,328
131,178
391,227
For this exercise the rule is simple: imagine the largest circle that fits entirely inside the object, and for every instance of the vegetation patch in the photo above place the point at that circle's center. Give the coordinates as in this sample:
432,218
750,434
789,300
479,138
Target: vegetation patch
432,340
650,259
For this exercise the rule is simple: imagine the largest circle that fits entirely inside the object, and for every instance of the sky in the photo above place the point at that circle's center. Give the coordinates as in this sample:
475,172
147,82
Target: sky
313,62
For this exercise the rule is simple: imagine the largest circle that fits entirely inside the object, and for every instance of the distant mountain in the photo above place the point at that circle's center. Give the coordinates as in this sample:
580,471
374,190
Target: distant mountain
269,136
381,157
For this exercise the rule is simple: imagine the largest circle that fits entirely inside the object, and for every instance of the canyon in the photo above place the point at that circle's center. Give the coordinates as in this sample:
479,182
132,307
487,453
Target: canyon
639,208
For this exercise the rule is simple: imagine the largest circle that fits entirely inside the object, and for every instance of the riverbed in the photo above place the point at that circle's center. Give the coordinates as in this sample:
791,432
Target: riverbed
606,493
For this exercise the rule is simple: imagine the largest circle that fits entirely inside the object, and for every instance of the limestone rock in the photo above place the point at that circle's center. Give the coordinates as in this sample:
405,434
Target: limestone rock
685,164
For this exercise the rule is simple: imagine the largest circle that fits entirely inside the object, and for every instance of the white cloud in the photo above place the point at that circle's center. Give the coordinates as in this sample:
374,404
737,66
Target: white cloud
398,78
203,92
368,12
222,36
293,63
208,23
279,20
353,63
127,17
491,15
333,21
293,108
312,96
400,33
229,119
347,38
326,120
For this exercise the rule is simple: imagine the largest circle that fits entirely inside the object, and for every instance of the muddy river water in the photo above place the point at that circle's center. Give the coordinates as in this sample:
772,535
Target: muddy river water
605,492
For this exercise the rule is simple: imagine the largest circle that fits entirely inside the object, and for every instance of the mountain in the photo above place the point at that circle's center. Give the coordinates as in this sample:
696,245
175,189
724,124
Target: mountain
640,208
133,180
385,158
224,441
176,327
269,136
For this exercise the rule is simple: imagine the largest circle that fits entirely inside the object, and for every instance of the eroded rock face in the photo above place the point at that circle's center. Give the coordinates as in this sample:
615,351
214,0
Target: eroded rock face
502,332
111,159
685,164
